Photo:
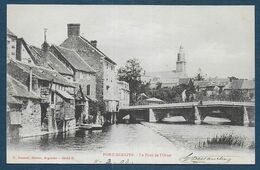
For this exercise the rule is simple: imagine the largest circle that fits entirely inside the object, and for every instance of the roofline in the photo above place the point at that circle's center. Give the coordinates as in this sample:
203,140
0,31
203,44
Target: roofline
9,76
34,47
10,33
27,49
99,51
55,46
60,63
44,69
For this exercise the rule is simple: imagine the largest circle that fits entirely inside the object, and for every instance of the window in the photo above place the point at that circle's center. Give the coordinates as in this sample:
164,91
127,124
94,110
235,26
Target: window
107,65
52,97
13,46
88,89
107,87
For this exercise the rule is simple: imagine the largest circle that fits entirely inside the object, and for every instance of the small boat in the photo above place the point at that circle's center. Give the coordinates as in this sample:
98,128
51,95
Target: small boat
90,126
96,127
85,126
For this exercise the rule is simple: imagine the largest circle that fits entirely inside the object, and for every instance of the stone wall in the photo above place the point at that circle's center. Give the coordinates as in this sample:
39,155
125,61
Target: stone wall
93,59
30,118
85,79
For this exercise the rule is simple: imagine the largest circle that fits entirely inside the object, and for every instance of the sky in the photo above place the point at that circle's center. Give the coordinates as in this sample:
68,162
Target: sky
217,39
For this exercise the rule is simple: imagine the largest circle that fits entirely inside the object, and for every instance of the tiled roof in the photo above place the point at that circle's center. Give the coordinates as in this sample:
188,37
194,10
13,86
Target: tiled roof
100,52
9,32
74,59
17,89
43,73
241,84
52,61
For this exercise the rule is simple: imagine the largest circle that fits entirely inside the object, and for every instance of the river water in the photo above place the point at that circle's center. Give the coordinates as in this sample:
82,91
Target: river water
167,137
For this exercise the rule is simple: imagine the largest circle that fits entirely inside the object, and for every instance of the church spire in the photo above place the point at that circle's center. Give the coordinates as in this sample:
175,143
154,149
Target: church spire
45,34
181,63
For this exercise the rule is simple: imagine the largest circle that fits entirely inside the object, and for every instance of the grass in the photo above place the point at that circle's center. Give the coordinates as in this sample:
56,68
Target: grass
226,140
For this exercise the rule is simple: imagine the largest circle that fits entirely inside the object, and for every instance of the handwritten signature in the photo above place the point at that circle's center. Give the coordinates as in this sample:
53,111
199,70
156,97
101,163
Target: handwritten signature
192,158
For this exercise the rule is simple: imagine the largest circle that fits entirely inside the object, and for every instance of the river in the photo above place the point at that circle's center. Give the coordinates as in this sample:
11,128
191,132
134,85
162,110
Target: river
141,138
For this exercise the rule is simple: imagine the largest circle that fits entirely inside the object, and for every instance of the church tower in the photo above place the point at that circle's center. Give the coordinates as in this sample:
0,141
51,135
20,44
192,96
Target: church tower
181,63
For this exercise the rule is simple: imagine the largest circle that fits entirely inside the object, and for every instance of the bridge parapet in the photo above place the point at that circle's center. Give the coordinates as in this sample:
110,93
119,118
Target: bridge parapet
237,112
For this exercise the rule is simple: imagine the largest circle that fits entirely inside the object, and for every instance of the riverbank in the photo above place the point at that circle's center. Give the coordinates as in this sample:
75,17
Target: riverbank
200,137
125,143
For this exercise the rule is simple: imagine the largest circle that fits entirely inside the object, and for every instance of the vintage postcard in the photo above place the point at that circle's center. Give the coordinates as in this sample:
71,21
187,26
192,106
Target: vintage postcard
130,84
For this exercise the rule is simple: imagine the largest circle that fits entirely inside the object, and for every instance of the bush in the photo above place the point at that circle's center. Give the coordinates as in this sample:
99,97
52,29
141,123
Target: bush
226,140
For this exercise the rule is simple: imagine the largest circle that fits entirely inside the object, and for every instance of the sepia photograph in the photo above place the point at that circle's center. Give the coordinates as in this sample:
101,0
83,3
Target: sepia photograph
130,84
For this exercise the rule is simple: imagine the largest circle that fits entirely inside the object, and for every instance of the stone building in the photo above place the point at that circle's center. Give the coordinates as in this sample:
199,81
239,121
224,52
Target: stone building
168,78
23,117
52,62
105,67
57,106
11,45
84,77
123,94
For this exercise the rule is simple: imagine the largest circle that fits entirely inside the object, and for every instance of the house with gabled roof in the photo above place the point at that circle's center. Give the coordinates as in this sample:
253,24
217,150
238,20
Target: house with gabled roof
104,66
55,92
82,72
24,111
52,62
84,77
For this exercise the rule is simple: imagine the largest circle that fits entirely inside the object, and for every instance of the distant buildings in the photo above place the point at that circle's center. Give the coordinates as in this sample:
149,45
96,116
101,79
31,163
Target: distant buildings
246,87
168,78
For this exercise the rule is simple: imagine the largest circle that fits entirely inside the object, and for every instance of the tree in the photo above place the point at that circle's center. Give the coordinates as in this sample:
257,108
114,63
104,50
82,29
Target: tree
232,78
131,73
199,77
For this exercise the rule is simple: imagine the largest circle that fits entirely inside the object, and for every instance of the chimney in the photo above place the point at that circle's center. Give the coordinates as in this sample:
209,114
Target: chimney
94,43
45,45
73,30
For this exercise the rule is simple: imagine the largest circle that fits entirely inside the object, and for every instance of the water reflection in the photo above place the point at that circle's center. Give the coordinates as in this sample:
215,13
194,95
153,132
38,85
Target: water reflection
150,135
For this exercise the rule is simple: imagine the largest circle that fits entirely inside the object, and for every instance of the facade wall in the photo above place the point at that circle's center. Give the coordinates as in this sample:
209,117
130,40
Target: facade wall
105,71
123,94
24,120
30,118
25,57
11,47
88,82
110,82
91,57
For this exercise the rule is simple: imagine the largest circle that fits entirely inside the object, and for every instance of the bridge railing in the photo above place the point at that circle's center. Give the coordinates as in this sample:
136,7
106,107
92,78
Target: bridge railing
188,104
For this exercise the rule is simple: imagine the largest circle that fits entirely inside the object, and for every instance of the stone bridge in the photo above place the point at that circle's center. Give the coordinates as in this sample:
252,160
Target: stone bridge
239,113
